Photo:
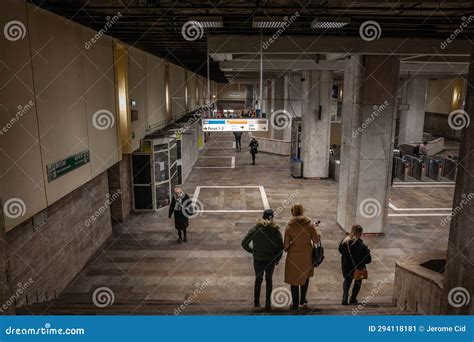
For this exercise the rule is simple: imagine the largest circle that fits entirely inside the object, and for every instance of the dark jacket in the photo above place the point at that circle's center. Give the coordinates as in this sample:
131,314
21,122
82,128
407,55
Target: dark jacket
238,135
181,220
360,253
267,242
253,146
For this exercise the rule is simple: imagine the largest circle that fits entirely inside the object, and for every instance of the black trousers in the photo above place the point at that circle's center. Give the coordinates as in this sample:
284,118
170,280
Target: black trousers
182,233
346,286
238,145
298,293
253,158
263,268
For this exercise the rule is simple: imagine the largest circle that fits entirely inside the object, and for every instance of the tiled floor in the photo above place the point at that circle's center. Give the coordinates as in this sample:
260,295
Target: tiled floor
143,262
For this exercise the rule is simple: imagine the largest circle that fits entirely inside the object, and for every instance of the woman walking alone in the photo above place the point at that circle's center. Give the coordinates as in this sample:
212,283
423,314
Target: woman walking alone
300,234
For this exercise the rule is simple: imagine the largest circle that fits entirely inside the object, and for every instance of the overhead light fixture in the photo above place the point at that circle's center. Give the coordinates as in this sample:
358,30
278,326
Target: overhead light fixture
266,22
329,22
208,22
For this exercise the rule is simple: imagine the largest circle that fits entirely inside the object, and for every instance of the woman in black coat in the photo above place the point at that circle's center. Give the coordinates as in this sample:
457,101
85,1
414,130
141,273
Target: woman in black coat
181,207
354,255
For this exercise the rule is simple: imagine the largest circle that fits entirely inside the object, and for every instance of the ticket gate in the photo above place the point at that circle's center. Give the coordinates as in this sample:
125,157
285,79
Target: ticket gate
402,168
417,166
450,168
435,168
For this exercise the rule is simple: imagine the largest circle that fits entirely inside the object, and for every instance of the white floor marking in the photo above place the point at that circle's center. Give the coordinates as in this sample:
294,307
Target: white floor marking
263,196
392,206
419,214
423,186
423,183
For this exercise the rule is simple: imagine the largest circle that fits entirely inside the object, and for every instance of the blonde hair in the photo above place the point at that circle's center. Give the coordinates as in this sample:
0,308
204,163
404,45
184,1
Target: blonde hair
297,209
356,231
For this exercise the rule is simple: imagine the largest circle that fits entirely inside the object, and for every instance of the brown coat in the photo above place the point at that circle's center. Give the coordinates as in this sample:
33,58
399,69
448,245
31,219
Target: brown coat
299,233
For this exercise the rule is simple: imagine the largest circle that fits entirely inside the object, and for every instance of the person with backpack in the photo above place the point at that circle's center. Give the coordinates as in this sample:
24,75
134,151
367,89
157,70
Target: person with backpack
355,255
238,138
253,149
267,249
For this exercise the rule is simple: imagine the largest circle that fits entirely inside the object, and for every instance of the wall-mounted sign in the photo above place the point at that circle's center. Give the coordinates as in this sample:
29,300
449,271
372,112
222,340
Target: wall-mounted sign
233,125
60,168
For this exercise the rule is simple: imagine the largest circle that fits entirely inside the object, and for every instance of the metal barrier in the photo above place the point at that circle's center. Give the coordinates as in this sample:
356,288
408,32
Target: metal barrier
435,168
450,168
402,168
417,166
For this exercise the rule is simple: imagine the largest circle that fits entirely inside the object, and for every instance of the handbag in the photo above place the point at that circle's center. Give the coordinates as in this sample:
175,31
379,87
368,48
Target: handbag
318,254
359,274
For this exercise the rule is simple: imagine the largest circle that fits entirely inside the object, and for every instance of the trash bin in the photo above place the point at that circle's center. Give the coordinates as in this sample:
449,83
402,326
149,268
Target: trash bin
296,167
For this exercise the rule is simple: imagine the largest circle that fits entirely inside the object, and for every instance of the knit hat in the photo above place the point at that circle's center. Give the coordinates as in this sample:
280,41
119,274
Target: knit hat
268,214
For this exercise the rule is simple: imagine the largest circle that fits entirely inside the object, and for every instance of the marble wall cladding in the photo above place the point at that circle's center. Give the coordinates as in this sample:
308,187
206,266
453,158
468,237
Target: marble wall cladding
50,256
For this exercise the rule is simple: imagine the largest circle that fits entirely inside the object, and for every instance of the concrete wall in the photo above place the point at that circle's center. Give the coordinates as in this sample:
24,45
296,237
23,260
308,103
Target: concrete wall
177,91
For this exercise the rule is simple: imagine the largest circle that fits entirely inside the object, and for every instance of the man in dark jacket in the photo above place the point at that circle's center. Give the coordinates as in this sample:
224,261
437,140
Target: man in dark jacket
238,138
253,149
267,248
181,207
354,255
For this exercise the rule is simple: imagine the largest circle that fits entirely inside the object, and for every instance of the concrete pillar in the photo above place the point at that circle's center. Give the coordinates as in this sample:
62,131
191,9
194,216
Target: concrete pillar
413,119
278,105
368,120
316,123
458,298
5,286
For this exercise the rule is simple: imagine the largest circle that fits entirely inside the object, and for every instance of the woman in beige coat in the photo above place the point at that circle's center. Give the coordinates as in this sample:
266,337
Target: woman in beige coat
299,235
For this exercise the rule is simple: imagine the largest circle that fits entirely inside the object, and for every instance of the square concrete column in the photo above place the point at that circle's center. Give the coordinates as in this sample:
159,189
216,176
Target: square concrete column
458,298
368,121
315,123
413,119
5,286
278,105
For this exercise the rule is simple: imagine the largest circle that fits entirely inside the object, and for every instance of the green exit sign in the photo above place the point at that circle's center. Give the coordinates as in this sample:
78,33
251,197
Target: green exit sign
60,168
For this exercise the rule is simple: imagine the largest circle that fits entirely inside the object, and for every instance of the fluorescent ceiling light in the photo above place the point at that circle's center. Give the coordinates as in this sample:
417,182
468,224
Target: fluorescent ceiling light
329,23
266,22
208,22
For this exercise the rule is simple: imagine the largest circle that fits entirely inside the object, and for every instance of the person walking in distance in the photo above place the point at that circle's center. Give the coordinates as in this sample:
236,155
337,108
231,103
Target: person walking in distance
181,208
267,249
354,256
238,138
253,149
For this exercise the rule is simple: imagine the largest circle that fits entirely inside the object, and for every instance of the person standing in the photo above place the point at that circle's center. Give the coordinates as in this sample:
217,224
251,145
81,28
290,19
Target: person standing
354,256
238,138
300,235
267,249
253,149
181,208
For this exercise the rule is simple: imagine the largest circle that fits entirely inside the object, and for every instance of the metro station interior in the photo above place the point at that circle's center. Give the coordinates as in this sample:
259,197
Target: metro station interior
361,111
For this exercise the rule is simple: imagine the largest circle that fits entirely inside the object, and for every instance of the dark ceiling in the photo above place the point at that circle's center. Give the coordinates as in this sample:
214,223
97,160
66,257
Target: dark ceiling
155,25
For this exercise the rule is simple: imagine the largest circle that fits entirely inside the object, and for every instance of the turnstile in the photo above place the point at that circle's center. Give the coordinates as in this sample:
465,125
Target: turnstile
402,168
450,168
417,166
435,168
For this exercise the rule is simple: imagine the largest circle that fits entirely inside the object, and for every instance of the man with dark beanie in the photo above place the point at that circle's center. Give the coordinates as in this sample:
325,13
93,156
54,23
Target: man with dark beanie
267,249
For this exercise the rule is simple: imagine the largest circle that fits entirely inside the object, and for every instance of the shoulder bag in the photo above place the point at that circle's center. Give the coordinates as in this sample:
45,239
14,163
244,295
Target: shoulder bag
358,274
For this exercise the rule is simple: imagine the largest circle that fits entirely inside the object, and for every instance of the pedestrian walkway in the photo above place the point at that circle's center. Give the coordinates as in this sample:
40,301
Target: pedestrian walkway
149,272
